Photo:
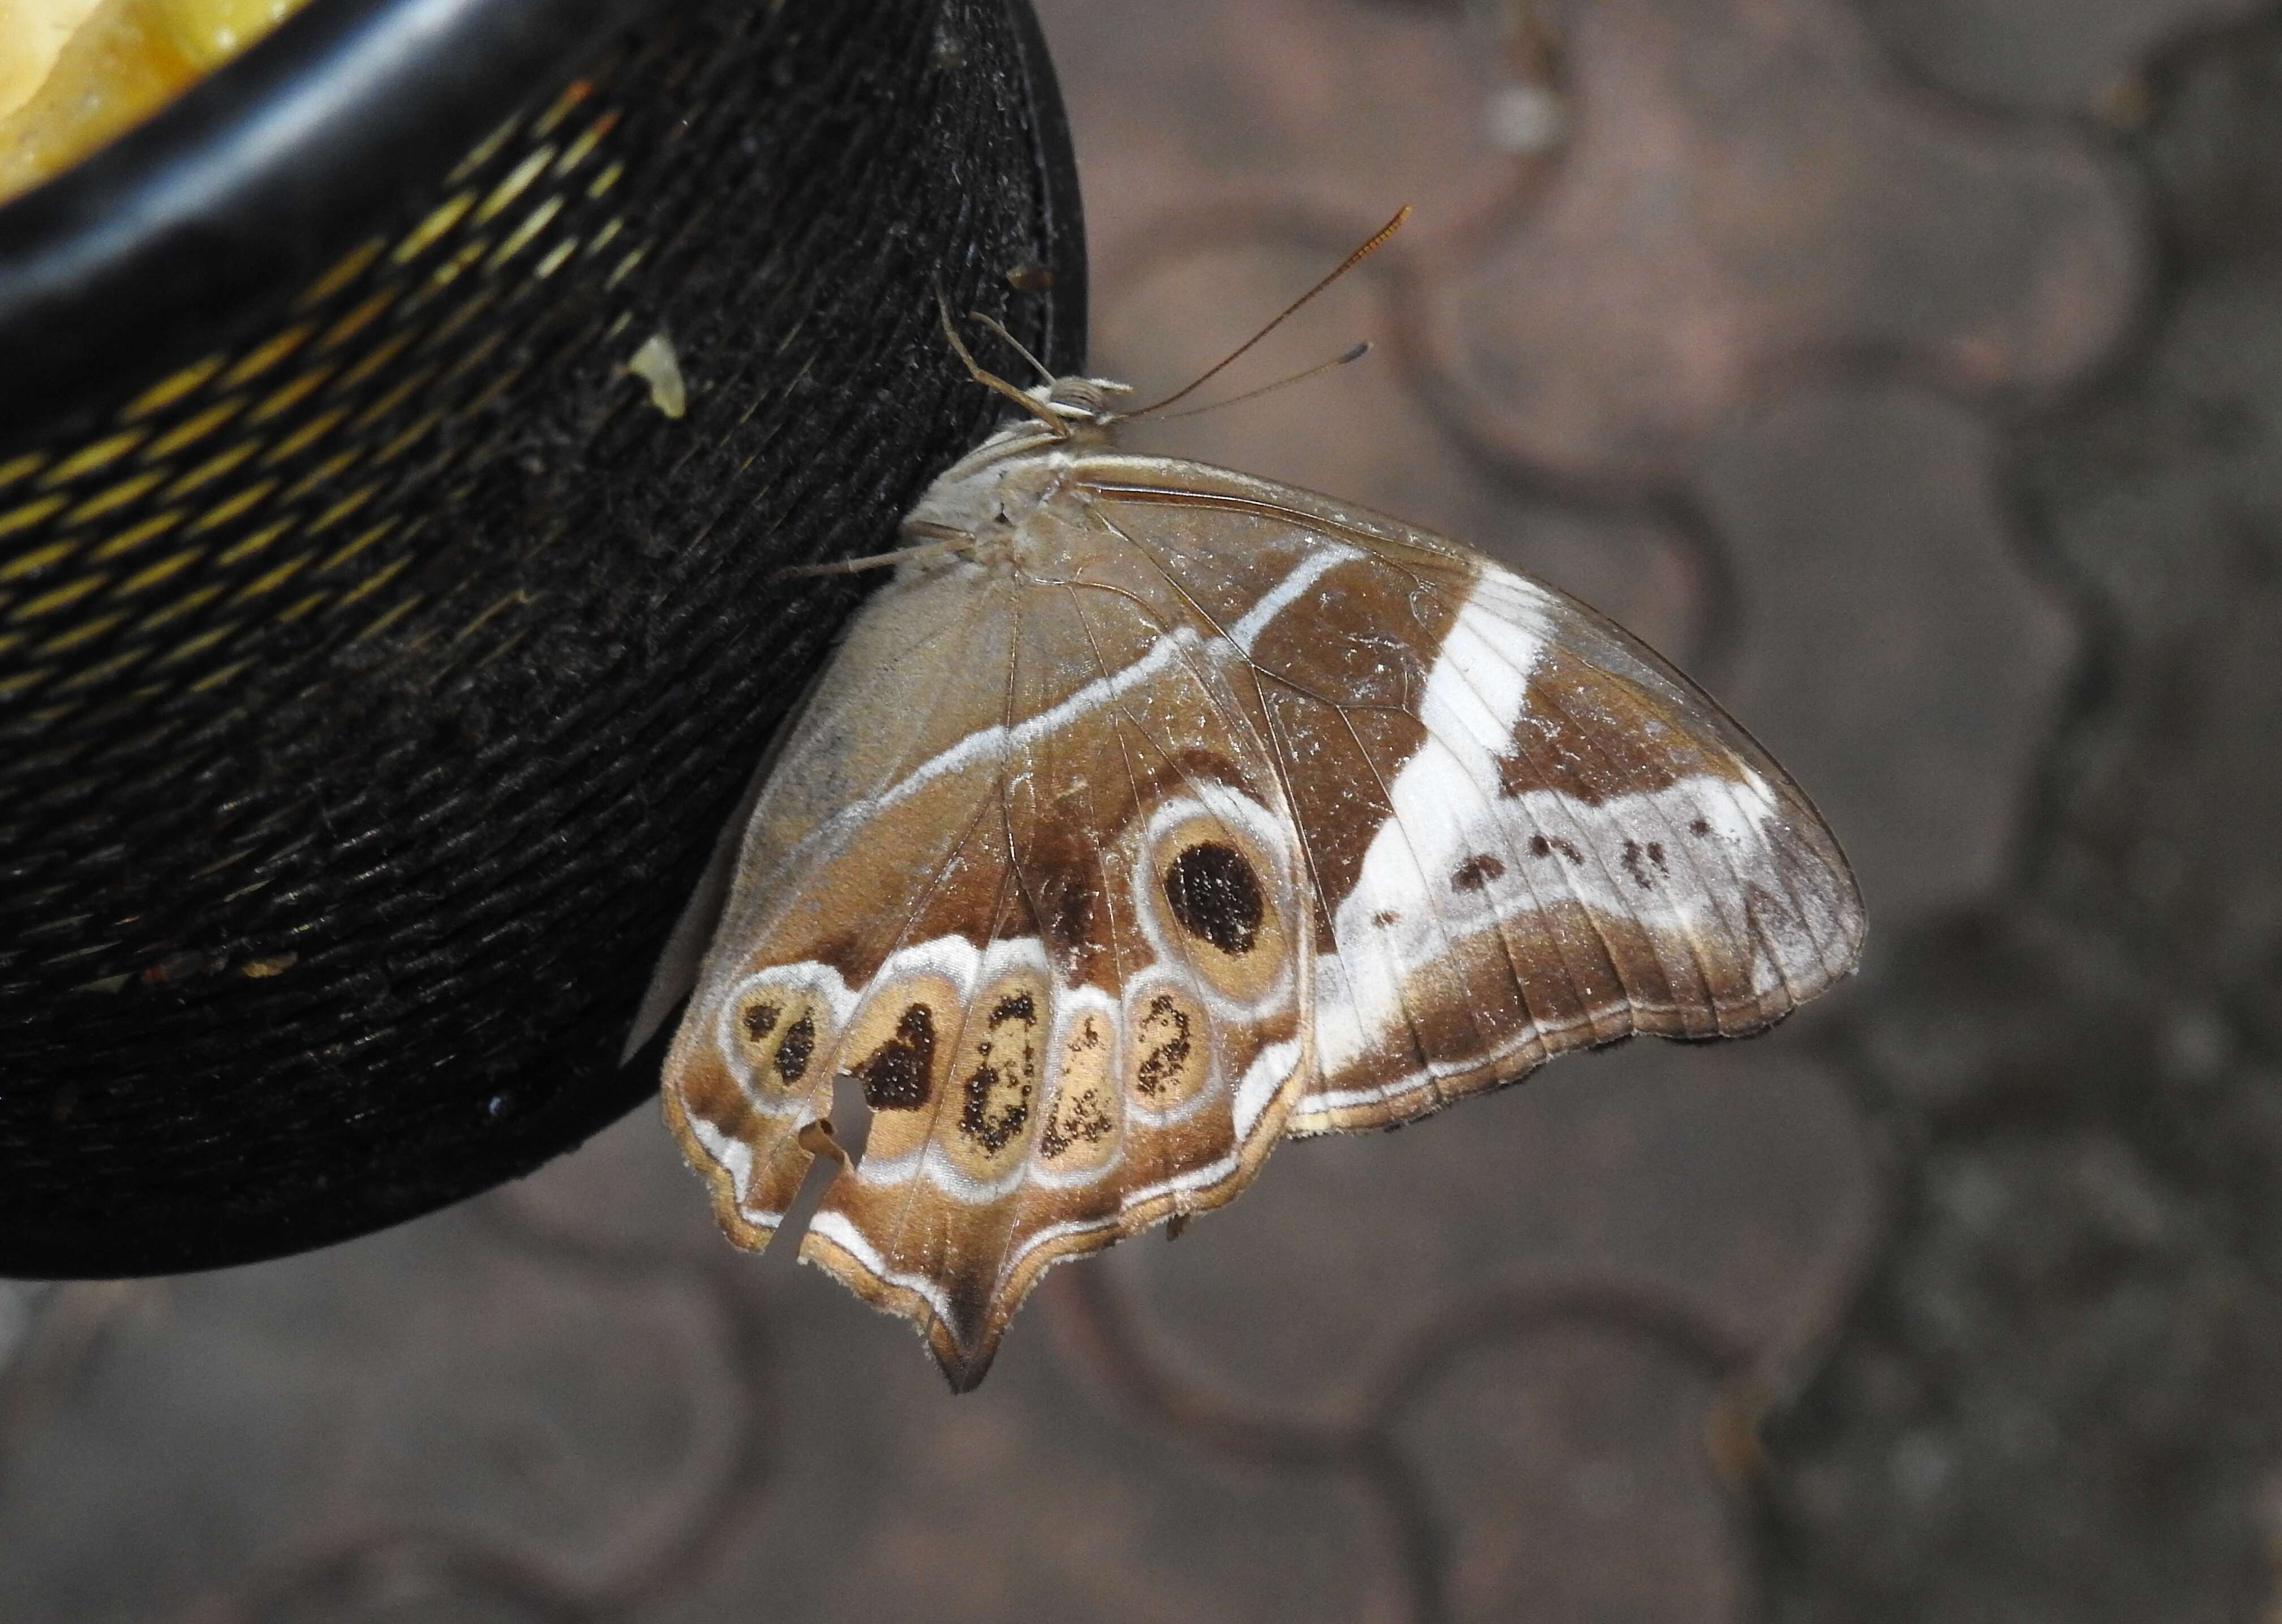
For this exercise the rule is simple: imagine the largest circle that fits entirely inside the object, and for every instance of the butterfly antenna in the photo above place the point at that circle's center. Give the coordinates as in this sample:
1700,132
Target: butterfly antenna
1355,354
1341,270
992,380
1045,373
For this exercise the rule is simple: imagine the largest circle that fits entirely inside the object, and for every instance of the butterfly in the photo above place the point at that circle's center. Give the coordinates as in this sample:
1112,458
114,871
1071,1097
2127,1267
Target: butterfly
1152,813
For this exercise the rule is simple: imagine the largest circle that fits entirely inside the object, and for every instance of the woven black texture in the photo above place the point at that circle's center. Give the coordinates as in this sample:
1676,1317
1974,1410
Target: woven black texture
376,670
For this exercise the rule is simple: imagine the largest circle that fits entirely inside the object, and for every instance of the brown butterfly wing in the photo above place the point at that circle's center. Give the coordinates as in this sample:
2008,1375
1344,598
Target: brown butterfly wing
1058,937
753,1062
1238,812
1525,832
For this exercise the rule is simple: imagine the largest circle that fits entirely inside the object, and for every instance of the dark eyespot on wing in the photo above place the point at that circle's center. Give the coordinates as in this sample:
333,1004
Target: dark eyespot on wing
1080,1113
999,1091
793,1051
1082,1117
1476,871
760,1020
1167,1026
997,1102
1216,897
895,1075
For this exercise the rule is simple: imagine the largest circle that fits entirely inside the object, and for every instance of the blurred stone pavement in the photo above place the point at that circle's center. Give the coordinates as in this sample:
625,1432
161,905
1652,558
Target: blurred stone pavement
1909,369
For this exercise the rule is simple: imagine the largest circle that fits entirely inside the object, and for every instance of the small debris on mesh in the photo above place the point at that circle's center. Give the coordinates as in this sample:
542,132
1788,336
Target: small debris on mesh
657,365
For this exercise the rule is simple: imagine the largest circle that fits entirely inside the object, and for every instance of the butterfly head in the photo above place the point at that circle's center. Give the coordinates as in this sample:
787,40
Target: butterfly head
1071,411
1083,403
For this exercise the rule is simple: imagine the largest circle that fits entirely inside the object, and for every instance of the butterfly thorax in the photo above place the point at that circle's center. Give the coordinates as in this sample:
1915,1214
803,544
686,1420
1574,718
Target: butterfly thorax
984,502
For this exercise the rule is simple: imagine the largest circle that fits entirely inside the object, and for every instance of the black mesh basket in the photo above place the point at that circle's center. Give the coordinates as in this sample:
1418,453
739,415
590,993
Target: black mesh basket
378,657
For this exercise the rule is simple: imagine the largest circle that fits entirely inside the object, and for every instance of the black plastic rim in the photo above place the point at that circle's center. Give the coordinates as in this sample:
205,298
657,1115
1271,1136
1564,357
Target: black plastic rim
242,182
343,915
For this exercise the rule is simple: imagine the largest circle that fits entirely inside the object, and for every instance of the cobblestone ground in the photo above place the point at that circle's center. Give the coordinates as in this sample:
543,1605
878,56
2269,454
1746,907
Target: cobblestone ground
1911,369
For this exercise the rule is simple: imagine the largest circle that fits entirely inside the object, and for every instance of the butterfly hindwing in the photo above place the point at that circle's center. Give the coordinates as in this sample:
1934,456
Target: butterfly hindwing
1063,942
831,871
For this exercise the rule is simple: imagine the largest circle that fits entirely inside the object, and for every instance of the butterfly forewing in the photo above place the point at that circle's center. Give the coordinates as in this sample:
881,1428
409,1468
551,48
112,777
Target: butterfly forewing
1528,833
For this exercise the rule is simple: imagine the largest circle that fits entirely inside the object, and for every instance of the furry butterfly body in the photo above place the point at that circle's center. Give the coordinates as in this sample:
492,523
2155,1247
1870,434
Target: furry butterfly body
1153,812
